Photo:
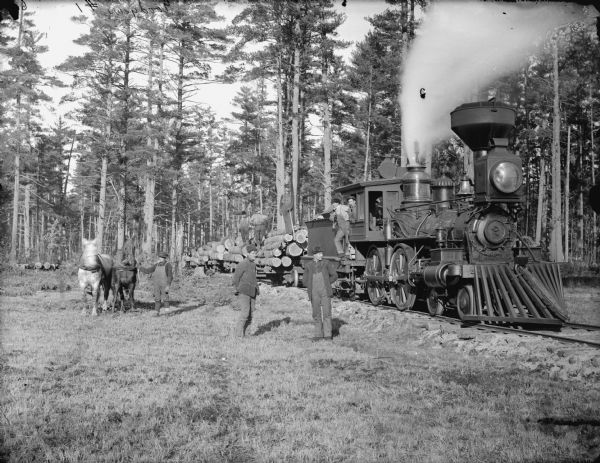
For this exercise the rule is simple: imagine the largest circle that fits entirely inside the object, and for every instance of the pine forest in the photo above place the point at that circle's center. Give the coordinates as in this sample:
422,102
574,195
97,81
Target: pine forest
133,156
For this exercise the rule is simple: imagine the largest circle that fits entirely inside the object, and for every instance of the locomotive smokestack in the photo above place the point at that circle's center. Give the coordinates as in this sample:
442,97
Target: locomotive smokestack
478,124
485,128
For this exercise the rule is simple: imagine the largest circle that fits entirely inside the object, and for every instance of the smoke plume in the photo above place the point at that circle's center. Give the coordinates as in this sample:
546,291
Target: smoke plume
460,49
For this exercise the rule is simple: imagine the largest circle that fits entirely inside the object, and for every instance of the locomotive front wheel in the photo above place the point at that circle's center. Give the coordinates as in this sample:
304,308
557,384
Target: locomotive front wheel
403,294
435,306
465,301
374,267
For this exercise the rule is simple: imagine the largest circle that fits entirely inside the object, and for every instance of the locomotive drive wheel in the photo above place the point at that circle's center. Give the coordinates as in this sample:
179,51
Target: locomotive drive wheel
403,294
465,301
435,306
374,266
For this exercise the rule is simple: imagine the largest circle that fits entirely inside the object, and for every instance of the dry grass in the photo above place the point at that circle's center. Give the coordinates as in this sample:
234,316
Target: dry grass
583,304
133,387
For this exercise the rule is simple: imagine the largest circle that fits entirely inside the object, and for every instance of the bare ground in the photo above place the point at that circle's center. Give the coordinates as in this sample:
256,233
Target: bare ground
390,387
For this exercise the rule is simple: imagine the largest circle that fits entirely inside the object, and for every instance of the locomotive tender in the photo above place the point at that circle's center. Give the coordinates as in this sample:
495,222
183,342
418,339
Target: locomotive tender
414,238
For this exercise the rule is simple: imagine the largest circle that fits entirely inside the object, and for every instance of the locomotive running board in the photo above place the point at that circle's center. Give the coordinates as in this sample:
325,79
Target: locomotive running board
532,295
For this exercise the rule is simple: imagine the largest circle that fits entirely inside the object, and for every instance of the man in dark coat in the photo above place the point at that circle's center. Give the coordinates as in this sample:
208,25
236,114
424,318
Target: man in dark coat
246,287
259,222
244,227
318,277
162,276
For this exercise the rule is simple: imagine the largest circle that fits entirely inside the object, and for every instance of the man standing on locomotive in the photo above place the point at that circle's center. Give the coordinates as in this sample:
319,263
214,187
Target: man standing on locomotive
342,215
318,277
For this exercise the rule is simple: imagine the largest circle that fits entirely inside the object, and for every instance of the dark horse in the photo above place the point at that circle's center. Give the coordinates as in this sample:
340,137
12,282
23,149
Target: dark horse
124,277
95,270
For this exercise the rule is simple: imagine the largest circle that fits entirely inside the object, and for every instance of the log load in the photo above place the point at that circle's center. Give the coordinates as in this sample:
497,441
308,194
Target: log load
301,236
294,250
286,261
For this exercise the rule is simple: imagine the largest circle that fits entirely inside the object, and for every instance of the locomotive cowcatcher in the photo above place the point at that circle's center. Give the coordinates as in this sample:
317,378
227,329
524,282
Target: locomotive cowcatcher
415,238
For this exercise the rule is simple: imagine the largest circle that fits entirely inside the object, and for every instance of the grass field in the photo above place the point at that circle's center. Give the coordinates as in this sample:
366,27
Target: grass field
134,387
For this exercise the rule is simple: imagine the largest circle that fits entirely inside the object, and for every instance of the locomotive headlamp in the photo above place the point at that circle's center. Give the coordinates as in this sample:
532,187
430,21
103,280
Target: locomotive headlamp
506,177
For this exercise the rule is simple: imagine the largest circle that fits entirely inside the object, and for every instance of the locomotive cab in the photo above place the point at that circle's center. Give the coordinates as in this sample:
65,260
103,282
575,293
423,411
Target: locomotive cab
375,202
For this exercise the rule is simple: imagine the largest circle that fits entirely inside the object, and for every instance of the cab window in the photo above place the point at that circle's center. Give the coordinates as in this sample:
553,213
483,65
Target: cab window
375,210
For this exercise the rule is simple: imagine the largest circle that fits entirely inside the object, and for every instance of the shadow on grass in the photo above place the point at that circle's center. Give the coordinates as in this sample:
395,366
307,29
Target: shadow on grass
262,329
179,310
336,324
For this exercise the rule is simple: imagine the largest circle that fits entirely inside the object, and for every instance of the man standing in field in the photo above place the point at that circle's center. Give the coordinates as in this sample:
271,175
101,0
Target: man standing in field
246,288
162,276
244,227
259,221
318,277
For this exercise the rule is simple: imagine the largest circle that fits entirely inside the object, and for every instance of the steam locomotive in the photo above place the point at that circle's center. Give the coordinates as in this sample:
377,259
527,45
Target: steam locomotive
416,239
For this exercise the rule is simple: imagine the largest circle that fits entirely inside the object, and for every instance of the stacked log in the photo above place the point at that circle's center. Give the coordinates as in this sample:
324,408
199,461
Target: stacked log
280,250
294,250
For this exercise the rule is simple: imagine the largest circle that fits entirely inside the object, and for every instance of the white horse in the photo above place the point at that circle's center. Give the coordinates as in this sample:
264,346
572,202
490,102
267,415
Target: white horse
95,270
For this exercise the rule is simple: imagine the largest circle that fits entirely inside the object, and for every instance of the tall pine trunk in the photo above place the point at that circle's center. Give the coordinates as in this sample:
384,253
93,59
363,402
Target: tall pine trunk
580,242
567,192
211,217
178,149
593,160
105,154
556,250
102,202
367,170
150,179
541,206
124,146
26,223
15,217
279,150
327,184
296,123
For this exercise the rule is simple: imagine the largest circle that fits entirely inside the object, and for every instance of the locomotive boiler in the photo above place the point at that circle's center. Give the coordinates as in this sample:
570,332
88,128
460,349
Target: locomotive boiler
454,249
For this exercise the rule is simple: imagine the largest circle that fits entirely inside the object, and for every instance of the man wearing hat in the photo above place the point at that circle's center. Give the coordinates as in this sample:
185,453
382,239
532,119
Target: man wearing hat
341,215
246,287
259,222
162,276
244,227
318,277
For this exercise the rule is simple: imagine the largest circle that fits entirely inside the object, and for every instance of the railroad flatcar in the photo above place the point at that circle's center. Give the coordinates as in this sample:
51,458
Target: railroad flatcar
453,247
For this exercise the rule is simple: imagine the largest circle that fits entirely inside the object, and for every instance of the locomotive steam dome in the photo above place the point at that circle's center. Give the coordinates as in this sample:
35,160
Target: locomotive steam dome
416,185
478,123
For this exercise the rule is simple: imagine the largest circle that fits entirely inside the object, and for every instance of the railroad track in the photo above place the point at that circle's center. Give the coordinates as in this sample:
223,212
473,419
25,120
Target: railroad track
566,329
570,329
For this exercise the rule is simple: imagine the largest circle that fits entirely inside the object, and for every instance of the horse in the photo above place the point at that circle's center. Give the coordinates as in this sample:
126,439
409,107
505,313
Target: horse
124,276
95,270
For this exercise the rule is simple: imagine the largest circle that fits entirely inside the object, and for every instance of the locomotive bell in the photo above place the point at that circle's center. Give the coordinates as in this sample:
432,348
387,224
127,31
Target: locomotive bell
465,186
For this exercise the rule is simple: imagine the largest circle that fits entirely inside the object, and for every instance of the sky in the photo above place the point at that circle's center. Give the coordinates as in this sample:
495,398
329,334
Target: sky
52,19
